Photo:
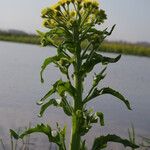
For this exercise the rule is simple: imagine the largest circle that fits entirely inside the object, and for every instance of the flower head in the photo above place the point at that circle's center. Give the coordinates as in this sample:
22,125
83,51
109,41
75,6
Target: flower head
73,13
48,12
49,23
55,7
89,3
63,2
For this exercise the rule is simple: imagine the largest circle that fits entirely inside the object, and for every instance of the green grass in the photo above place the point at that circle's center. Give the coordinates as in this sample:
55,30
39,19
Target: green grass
30,39
126,48
115,47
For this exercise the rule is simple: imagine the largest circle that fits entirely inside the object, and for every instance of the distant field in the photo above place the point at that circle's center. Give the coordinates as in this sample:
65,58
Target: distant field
31,39
126,48
116,47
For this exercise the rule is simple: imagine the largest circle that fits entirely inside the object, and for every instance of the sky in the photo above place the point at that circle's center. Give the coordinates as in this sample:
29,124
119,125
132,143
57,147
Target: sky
132,17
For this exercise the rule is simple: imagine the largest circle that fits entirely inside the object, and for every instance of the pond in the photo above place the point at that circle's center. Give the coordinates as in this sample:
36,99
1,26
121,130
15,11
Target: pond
20,88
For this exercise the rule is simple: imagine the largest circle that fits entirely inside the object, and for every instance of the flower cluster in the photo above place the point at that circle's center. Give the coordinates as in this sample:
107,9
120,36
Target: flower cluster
66,12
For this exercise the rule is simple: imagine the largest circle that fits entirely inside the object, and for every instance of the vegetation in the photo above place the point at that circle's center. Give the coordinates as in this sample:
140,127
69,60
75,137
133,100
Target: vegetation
74,22
19,37
126,48
144,142
16,144
139,49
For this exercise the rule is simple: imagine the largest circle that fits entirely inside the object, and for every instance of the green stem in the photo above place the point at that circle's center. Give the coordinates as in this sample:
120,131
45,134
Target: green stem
75,135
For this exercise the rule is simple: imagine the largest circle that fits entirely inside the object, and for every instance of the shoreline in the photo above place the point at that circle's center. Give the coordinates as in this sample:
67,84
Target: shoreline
107,46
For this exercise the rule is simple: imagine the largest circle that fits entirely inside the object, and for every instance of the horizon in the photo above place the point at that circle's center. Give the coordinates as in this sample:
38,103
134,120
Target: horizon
130,17
20,32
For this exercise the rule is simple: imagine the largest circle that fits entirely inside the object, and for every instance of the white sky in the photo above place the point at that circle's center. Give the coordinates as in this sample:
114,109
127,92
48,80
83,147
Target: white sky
131,16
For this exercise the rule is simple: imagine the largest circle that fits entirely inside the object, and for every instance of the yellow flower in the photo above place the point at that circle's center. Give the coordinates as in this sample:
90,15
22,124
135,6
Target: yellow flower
55,7
47,12
73,13
86,1
63,2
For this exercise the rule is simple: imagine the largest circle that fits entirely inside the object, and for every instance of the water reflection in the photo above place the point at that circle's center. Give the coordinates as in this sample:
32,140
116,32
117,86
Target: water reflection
20,87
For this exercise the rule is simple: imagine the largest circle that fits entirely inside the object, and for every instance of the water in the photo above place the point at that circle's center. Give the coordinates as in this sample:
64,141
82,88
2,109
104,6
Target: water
20,87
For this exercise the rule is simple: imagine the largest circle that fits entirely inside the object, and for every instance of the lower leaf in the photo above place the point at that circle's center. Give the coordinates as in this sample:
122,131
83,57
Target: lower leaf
101,142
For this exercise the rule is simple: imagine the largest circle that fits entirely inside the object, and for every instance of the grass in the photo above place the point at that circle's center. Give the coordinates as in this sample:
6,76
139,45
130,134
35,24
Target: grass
21,38
126,48
114,47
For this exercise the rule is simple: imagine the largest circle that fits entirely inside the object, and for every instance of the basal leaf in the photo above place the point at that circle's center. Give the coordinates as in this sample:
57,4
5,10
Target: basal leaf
39,128
58,138
101,142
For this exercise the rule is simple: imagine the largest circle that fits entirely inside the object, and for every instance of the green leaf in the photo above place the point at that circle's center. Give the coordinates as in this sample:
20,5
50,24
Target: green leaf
106,60
39,128
58,138
101,118
14,134
96,59
49,93
94,94
67,108
48,41
63,64
57,103
87,118
47,62
109,33
99,77
61,61
46,38
58,31
40,33
63,87
46,129
61,137
116,94
46,105
108,90
101,142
